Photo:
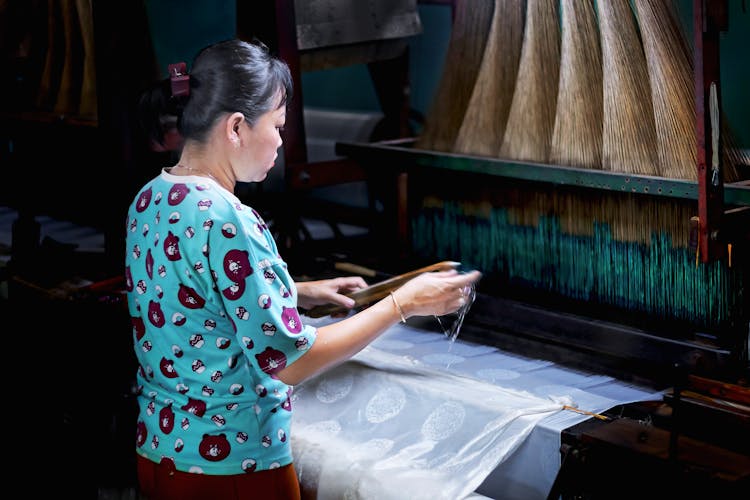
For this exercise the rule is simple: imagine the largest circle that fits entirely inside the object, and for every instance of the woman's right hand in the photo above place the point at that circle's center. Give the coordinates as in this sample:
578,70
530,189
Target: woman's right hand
435,293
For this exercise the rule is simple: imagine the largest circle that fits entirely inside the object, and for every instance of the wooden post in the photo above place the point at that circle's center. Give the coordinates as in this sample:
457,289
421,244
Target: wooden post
709,18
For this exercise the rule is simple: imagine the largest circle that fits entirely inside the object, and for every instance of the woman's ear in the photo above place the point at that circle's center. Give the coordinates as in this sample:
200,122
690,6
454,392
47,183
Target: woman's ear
233,128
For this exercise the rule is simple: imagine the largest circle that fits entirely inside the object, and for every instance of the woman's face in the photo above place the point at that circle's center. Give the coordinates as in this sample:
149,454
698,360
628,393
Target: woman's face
259,145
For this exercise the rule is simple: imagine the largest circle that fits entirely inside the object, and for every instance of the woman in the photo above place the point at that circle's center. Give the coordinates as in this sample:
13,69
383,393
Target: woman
214,310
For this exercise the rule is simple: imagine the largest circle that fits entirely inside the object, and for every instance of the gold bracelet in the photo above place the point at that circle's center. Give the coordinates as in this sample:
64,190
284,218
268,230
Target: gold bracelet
398,307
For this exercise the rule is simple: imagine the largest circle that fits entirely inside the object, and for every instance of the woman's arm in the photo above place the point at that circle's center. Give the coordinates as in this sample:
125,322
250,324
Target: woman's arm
432,293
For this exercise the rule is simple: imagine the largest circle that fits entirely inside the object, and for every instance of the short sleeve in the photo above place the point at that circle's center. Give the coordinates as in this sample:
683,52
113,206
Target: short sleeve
257,292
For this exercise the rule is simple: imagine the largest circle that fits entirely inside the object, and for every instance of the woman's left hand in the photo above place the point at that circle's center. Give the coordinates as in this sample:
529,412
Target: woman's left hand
330,291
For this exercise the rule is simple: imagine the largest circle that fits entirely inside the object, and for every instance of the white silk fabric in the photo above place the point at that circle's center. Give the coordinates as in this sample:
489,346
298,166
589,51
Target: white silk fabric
384,426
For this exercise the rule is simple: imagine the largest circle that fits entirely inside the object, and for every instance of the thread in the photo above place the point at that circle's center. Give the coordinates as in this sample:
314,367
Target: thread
629,132
577,134
462,61
531,118
483,126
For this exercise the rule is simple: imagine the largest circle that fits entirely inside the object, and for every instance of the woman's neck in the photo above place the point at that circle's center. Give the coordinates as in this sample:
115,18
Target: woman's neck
191,163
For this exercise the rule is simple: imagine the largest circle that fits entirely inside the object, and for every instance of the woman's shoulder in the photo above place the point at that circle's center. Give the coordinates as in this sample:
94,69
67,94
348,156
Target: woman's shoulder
176,192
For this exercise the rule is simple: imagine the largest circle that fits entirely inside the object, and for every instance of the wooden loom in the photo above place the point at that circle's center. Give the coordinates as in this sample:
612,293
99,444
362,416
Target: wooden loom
644,271
609,215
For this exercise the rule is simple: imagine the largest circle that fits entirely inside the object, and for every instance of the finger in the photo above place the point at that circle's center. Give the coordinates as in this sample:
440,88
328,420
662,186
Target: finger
343,300
352,283
463,280
469,278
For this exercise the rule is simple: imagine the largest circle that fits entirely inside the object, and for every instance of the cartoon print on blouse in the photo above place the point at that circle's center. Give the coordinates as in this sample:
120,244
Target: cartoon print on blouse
171,250
139,327
179,444
177,193
157,198
287,404
248,342
269,276
241,437
144,200
178,319
177,351
237,265
141,287
268,328
155,314
209,324
136,251
196,340
290,316
174,217
198,366
242,313
234,291
141,434
271,361
281,435
149,264
167,368
264,301
189,298
284,291
266,441
232,361
249,465
195,406
302,344
214,448
154,442
236,389
128,279
133,225
167,465
228,230
162,270
260,390
166,419
223,342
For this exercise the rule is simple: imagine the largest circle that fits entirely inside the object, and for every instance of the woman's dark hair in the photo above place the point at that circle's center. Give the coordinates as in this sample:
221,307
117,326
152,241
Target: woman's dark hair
228,76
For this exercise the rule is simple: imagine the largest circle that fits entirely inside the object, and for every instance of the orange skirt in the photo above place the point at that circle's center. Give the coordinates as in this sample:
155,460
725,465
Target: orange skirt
158,482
